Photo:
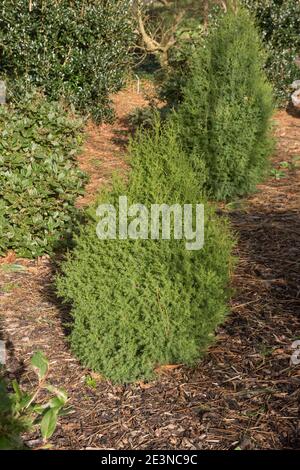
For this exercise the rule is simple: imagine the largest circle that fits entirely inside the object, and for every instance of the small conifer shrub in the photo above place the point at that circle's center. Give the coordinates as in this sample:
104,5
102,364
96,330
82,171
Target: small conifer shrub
138,304
224,118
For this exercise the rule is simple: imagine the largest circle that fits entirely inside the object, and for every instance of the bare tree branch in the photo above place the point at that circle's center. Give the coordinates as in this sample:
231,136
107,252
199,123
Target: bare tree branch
168,37
163,39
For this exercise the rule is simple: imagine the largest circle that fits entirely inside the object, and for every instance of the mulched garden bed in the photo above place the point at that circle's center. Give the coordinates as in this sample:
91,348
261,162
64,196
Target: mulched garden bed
243,394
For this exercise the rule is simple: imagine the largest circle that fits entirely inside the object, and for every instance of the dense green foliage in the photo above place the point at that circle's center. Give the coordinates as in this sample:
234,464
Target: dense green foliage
227,103
10,426
279,21
173,81
138,304
39,178
75,49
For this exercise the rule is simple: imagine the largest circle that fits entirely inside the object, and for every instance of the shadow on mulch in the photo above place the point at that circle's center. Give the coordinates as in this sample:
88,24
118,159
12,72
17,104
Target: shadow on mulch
272,239
266,313
50,296
292,111
17,366
1,331
120,137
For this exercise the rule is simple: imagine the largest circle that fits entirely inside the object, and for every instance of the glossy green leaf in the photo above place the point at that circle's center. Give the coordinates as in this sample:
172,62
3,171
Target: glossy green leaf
40,364
48,423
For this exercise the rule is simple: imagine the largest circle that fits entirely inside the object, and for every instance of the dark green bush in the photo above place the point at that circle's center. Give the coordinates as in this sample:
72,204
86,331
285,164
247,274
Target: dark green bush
39,178
225,114
279,21
75,49
138,304
142,117
10,426
173,80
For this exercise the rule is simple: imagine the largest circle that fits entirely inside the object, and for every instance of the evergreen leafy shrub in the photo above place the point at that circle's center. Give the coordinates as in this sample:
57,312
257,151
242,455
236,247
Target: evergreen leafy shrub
76,49
138,304
279,23
224,118
39,178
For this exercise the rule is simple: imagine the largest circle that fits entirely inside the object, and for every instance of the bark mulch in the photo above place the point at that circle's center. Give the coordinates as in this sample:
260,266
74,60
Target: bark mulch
244,394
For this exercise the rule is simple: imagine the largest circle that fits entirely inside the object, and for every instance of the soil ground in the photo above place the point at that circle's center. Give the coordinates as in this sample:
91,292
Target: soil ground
245,393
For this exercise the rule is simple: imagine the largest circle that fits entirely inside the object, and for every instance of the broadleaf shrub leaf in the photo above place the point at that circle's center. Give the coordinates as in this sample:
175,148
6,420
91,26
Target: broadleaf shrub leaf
40,364
48,423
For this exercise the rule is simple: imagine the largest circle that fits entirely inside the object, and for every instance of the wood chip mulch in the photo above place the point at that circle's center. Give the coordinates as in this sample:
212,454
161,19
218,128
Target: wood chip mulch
243,395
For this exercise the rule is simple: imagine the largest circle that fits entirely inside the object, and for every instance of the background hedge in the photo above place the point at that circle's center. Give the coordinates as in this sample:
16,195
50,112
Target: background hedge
279,22
39,178
75,49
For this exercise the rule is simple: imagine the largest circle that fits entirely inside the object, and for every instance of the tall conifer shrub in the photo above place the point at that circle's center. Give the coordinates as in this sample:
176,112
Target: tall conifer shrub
225,115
